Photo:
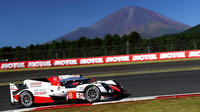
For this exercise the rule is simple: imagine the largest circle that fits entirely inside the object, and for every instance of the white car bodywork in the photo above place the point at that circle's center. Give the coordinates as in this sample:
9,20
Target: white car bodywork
63,87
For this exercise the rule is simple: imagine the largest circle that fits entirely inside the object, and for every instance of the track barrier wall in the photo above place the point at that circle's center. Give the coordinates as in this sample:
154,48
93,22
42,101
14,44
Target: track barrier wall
101,60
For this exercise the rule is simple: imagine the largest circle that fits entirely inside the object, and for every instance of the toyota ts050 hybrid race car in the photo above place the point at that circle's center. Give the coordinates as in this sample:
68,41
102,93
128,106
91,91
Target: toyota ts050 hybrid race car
63,88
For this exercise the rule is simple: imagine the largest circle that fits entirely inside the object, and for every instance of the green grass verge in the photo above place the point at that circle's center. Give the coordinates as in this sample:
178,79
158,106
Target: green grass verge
97,65
185,104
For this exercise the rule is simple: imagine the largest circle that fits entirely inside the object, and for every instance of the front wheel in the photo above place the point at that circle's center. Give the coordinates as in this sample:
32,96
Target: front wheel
92,94
26,99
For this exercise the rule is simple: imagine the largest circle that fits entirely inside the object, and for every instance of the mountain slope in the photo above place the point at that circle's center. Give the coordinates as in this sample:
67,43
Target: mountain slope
191,31
148,23
187,36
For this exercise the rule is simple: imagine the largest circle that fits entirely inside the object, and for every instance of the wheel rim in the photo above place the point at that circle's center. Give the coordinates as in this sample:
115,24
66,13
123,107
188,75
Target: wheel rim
92,94
26,99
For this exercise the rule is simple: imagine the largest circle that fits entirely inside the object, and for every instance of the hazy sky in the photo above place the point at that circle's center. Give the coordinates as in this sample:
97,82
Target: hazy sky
25,22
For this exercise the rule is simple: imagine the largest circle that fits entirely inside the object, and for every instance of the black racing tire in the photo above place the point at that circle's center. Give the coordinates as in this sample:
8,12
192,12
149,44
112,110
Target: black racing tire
26,99
92,94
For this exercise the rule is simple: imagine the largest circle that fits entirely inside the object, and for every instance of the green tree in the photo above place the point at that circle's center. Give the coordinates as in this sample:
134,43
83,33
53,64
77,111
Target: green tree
31,47
115,39
123,39
6,49
107,40
18,48
83,42
133,37
46,46
55,45
132,40
62,44
96,42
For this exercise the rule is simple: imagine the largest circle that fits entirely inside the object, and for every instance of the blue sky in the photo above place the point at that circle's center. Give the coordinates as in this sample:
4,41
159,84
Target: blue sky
25,22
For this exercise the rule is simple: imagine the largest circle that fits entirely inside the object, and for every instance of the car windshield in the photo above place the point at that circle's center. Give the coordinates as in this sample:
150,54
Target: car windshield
73,82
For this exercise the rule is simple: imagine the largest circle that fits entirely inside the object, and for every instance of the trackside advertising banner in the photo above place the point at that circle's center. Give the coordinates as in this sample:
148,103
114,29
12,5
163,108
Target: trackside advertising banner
101,60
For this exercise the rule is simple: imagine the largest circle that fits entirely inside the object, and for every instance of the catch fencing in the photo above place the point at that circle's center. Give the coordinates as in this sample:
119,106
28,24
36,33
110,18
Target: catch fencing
125,49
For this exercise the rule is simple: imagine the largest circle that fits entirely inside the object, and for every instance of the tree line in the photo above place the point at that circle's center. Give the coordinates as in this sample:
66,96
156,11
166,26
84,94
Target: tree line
110,45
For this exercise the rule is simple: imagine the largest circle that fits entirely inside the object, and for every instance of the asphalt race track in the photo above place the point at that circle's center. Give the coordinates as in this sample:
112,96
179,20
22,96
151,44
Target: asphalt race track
149,84
19,76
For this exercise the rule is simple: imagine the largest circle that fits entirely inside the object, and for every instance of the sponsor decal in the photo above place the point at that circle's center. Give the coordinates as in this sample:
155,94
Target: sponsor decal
40,93
35,84
91,61
40,64
194,54
144,57
13,65
172,55
72,94
117,59
100,60
81,95
65,62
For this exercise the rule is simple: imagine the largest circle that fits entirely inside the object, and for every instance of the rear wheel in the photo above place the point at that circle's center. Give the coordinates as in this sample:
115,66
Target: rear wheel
26,99
92,94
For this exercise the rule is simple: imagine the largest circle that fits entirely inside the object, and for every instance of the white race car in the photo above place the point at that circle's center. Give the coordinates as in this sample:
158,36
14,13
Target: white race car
64,88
